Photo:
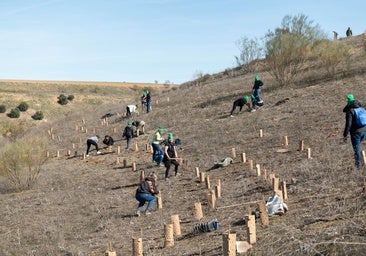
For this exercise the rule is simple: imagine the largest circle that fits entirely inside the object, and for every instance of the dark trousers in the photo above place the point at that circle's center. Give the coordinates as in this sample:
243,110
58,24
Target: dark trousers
168,163
88,145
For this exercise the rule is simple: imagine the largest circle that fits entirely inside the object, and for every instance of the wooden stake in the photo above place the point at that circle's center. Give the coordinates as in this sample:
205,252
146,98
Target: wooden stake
284,190
169,235
263,213
301,146
142,176
197,172
134,166
47,154
68,152
250,165
198,214
117,160
137,247
110,251
124,163
212,199
252,237
258,167
159,201
202,177
275,183
136,147
271,177
118,150
285,140
229,244
208,184
243,158
218,188
58,153
309,153
264,175
233,153
260,133
176,225
364,157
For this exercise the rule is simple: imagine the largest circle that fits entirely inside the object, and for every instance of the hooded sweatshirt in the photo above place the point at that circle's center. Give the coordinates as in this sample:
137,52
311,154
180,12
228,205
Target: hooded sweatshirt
350,126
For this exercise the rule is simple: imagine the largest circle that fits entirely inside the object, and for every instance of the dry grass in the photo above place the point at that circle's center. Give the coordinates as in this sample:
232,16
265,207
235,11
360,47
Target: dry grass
79,206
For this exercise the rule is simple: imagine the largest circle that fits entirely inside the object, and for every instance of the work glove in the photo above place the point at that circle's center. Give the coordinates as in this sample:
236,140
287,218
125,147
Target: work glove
345,139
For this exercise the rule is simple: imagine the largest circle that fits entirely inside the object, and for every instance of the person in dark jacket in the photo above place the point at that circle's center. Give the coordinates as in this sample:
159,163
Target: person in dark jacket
240,103
257,86
356,132
108,140
146,192
148,101
128,134
170,156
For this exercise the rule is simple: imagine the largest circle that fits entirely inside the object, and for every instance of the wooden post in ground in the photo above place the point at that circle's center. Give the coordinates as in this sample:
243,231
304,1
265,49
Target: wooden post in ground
364,157
250,165
285,139
176,225
197,172
110,251
218,188
271,177
301,146
284,190
243,158
47,154
124,163
263,213
136,148
275,184
212,199
169,235
68,152
58,153
258,168
252,237
233,153
159,201
84,156
73,145
229,244
260,133
202,177
137,246
208,184
264,175
118,150
134,166
198,214
309,153
147,147
142,175
117,160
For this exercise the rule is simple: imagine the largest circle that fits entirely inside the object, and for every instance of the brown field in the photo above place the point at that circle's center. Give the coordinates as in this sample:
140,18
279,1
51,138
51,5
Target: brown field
80,206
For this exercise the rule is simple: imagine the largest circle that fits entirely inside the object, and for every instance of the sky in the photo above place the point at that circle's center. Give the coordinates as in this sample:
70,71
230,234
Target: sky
147,41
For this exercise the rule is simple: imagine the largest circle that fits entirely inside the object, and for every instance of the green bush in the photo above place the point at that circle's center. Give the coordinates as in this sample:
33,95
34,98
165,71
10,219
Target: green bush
62,99
70,97
23,106
14,113
2,109
38,115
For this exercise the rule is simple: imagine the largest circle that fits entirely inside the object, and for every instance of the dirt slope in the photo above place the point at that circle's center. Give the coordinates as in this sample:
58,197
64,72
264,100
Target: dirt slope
79,206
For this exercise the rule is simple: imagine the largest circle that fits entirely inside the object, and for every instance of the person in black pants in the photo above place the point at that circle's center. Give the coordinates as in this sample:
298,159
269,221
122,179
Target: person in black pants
170,156
92,141
240,103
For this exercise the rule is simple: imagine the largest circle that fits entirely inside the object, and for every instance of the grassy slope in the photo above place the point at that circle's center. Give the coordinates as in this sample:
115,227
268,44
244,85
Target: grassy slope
80,206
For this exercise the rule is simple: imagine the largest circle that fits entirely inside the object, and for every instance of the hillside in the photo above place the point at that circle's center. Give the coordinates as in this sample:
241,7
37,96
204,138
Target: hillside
79,206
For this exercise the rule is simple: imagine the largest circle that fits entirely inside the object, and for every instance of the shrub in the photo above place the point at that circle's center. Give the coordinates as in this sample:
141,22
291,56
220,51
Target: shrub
21,161
14,113
38,115
13,130
2,109
23,106
62,99
70,97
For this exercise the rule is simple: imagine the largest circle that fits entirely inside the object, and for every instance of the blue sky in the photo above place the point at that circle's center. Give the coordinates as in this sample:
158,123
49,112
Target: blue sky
147,40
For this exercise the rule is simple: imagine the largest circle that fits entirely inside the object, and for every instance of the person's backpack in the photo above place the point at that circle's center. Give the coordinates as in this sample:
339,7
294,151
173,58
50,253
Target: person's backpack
360,116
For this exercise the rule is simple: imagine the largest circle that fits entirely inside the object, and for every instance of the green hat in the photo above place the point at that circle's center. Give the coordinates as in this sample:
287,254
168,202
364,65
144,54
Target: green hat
129,122
170,136
350,98
160,129
246,97
256,77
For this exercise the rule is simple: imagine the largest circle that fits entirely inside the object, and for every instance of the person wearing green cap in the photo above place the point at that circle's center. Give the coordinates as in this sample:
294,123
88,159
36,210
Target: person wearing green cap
170,156
257,86
355,125
158,152
240,103
128,134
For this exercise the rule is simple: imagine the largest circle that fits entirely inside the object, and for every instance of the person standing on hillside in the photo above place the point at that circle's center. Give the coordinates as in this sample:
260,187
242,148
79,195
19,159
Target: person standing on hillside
146,192
140,125
240,103
257,86
148,101
158,152
128,134
357,132
92,141
349,32
143,101
170,156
